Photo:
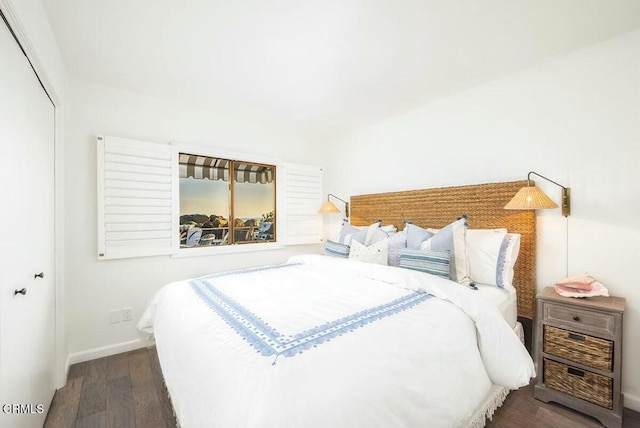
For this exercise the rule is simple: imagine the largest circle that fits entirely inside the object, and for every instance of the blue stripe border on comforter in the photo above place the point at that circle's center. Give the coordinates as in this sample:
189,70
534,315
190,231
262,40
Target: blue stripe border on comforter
266,340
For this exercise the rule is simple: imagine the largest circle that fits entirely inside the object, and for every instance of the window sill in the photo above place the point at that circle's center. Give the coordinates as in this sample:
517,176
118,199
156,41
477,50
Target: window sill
226,249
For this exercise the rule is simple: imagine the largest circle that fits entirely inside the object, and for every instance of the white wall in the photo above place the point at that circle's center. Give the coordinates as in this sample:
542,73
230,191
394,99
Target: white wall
93,287
574,119
29,21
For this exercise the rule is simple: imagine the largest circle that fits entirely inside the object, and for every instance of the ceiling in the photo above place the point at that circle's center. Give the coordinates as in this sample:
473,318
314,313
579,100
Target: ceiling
324,67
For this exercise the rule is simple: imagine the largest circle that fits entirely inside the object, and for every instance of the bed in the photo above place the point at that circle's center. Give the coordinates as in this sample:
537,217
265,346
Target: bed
324,341
504,300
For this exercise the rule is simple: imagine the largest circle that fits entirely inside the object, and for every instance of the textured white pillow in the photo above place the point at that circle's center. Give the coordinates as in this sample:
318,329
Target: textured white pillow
396,244
376,253
492,255
452,238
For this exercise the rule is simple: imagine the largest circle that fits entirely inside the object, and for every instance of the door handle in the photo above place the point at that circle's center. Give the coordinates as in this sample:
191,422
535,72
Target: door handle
39,275
22,291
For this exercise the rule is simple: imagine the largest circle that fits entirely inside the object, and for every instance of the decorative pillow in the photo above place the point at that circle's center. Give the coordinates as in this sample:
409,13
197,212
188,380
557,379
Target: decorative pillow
396,244
432,262
375,234
346,234
492,255
349,232
336,250
376,253
416,235
452,238
389,228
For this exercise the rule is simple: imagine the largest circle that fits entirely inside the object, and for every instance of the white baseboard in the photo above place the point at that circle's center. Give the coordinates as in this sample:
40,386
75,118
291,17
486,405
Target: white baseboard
105,351
632,402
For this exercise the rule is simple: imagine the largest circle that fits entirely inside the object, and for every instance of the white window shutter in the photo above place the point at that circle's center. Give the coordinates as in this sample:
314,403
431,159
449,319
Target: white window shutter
135,208
302,199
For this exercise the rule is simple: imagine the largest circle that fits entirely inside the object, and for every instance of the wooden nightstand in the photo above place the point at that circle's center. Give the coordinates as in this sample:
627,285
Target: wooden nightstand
579,354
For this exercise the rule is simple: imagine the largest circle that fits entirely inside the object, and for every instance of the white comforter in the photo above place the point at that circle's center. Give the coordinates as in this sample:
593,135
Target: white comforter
419,361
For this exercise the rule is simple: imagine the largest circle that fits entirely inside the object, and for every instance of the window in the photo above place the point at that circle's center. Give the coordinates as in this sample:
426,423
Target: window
225,201
149,194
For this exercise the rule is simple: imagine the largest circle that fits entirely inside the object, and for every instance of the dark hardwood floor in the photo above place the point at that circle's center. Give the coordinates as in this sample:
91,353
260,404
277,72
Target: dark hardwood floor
521,410
127,390
121,391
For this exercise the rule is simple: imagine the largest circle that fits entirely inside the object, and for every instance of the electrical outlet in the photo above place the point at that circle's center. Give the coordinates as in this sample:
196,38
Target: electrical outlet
126,314
115,316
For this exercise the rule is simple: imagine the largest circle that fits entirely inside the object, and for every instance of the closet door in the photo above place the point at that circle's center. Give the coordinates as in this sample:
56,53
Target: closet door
27,335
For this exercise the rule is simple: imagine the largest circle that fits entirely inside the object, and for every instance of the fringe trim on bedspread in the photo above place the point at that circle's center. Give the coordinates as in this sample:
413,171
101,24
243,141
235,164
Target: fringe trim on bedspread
494,400
173,408
152,339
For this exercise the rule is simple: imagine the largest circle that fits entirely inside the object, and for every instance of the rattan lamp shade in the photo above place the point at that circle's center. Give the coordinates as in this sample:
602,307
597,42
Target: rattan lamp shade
530,198
328,208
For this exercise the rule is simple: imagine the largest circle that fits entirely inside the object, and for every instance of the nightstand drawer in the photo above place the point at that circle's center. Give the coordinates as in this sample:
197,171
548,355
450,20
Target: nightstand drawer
579,348
579,383
582,320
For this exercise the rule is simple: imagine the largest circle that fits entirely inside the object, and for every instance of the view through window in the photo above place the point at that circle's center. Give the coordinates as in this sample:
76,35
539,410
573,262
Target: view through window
224,201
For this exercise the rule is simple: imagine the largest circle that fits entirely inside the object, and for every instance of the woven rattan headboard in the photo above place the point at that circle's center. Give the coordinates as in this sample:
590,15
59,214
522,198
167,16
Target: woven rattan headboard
484,206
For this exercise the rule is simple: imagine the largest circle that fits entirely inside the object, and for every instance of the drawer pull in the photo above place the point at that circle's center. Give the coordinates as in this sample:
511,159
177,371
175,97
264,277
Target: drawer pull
575,372
576,318
577,337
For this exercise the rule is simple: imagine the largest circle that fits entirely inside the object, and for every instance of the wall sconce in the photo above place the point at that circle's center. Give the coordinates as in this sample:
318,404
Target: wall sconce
329,207
532,198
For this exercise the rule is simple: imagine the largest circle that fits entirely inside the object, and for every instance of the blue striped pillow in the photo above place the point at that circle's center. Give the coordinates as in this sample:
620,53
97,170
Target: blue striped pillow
336,250
452,238
432,262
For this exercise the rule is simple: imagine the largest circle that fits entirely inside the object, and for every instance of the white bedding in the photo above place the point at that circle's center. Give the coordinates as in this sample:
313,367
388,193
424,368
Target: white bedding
406,359
504,299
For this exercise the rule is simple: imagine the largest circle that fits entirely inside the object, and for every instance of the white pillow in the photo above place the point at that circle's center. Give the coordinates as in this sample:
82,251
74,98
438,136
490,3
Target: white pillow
452,238
492,255
510,258
376,253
